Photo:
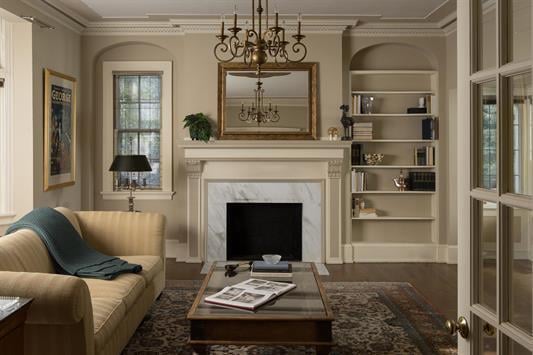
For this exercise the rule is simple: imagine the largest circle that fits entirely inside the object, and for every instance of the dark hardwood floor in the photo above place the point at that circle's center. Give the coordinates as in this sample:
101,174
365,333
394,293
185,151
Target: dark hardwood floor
436,282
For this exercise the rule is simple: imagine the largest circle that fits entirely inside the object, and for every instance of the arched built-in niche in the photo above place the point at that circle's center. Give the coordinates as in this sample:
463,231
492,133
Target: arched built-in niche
393,56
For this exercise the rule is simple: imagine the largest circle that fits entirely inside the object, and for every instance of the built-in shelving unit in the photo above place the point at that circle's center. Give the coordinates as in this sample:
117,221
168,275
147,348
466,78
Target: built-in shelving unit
409,217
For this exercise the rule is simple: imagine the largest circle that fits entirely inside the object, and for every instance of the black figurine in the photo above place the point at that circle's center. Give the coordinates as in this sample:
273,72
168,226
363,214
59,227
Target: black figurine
346,123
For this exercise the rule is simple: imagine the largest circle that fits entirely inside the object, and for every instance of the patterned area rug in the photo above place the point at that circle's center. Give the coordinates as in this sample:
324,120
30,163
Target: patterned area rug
371,318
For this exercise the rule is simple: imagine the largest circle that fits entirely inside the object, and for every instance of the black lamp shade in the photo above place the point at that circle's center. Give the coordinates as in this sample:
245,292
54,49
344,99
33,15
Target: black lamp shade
130,163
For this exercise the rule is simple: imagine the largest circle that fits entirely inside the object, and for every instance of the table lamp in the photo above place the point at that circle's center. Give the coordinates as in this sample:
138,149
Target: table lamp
130,163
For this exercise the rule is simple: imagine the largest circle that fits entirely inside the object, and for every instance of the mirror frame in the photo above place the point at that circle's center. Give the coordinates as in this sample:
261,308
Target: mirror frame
310,134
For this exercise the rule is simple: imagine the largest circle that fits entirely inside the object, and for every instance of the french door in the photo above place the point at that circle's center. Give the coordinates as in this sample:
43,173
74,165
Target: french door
495,180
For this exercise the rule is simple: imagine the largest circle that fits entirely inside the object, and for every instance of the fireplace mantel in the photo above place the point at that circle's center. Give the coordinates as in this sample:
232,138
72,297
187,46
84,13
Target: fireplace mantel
268,161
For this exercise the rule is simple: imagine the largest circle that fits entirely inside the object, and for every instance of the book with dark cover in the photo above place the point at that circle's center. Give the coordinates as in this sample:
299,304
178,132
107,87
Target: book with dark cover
428,129
357,154
422,180
417,110
262,266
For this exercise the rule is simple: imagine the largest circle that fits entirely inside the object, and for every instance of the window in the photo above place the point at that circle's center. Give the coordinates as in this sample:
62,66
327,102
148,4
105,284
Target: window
137,119
138,124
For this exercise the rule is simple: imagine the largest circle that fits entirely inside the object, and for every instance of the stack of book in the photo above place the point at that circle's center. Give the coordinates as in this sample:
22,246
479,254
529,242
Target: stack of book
249,295
263,269
362,131
424,156
368,213
359,179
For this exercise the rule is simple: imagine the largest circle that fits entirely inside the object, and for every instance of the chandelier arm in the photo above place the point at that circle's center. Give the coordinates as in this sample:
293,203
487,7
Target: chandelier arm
223,48
300,50
235,46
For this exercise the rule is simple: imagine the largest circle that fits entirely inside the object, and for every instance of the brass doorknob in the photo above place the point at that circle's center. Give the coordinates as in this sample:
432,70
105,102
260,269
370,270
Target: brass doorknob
460,326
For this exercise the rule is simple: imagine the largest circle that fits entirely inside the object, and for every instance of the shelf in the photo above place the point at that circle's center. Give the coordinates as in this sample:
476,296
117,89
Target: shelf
386,218
392,115
394,141
393,92
393,72
376,192
393,166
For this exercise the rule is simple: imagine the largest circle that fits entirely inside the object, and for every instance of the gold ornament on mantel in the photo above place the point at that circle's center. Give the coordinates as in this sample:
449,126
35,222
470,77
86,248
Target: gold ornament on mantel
333,133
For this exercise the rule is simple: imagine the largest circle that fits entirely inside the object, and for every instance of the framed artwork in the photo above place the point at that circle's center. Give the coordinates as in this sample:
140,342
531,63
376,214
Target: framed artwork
59,130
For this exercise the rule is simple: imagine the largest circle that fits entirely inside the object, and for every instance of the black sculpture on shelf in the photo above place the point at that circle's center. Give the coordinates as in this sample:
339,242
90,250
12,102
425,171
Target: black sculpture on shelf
346,123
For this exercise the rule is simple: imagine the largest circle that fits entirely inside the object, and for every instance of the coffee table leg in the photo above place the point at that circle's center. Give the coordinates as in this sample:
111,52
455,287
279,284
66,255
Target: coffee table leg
200,349
323,349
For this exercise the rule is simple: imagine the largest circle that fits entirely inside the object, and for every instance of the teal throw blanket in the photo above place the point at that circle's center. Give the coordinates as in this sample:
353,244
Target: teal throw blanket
72,256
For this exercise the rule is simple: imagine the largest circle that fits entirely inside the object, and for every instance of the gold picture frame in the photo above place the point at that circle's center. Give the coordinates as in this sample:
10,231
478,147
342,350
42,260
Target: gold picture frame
59,133
311,68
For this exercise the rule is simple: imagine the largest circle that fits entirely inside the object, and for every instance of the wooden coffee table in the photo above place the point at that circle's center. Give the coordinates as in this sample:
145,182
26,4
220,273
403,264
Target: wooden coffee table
300,317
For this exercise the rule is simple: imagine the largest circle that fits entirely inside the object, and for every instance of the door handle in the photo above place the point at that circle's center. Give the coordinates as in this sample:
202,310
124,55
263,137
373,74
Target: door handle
460,326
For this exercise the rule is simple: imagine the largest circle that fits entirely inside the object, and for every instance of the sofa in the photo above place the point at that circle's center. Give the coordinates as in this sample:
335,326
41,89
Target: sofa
77,316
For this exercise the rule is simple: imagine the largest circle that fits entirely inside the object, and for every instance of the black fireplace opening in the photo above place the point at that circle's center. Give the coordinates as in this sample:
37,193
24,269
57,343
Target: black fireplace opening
254,229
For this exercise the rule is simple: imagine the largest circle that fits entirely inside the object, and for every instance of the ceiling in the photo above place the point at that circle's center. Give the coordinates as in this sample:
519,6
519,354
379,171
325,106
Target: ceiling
365,11
294,85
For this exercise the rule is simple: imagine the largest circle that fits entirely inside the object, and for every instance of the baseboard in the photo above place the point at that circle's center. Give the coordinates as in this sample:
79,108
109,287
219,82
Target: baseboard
337,260
347,253
403,253
175,249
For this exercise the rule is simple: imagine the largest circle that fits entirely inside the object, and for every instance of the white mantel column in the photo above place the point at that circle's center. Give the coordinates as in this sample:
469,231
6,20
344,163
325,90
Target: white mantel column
334,212
194,215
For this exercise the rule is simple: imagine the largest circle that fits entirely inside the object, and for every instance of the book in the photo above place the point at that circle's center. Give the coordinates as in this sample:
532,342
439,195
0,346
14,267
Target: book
272,274
250,294
263,266
357,154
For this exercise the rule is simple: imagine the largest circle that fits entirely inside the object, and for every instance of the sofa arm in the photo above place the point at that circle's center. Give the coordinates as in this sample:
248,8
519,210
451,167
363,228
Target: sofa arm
124,233
58,299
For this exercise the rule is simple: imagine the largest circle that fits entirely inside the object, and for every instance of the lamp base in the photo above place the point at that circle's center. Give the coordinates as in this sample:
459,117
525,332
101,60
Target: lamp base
131,204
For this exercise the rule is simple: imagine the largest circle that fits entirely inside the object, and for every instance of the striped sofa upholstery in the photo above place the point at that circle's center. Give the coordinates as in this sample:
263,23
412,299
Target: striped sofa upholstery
72,315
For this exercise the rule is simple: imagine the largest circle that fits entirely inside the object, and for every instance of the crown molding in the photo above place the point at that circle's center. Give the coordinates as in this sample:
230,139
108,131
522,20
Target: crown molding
57,14
205,26
136,28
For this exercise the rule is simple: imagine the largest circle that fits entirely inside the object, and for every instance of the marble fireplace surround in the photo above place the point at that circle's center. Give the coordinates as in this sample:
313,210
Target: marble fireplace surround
309,194
305,171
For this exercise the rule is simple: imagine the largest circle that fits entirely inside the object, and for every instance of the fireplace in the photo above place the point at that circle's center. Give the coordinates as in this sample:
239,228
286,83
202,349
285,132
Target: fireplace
254,229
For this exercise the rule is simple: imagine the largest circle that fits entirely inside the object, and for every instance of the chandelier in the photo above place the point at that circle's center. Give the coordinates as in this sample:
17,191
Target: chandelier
258,112
258,43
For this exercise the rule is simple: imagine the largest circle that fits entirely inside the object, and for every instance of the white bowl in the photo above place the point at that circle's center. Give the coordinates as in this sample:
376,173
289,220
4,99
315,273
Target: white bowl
272,259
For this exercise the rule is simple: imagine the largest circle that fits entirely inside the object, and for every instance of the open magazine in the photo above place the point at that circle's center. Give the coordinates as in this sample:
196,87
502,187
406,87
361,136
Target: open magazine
249,294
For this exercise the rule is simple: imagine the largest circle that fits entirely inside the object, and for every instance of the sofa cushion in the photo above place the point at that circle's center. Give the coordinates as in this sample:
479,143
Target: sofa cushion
126,287
152,265
107,314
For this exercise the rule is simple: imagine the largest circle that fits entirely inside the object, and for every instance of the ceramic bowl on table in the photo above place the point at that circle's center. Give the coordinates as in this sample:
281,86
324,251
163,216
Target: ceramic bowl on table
272,259
374,158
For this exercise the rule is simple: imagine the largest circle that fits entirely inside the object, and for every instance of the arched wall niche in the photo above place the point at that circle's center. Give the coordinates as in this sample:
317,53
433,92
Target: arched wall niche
391,56
140,51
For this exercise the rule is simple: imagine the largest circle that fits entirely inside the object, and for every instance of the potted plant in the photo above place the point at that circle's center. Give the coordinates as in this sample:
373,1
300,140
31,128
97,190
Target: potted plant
199,126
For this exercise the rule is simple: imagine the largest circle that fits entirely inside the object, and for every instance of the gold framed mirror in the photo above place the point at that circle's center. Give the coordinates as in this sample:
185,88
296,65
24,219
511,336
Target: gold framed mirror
285,94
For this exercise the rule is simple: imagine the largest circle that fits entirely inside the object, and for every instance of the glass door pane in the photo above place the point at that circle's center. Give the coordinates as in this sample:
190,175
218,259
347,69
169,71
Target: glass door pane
486,34
521,131
486,218
487,135
486,336
520,236
519,30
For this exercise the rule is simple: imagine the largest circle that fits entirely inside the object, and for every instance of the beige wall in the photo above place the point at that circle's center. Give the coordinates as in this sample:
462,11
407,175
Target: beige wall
57,49
195,90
